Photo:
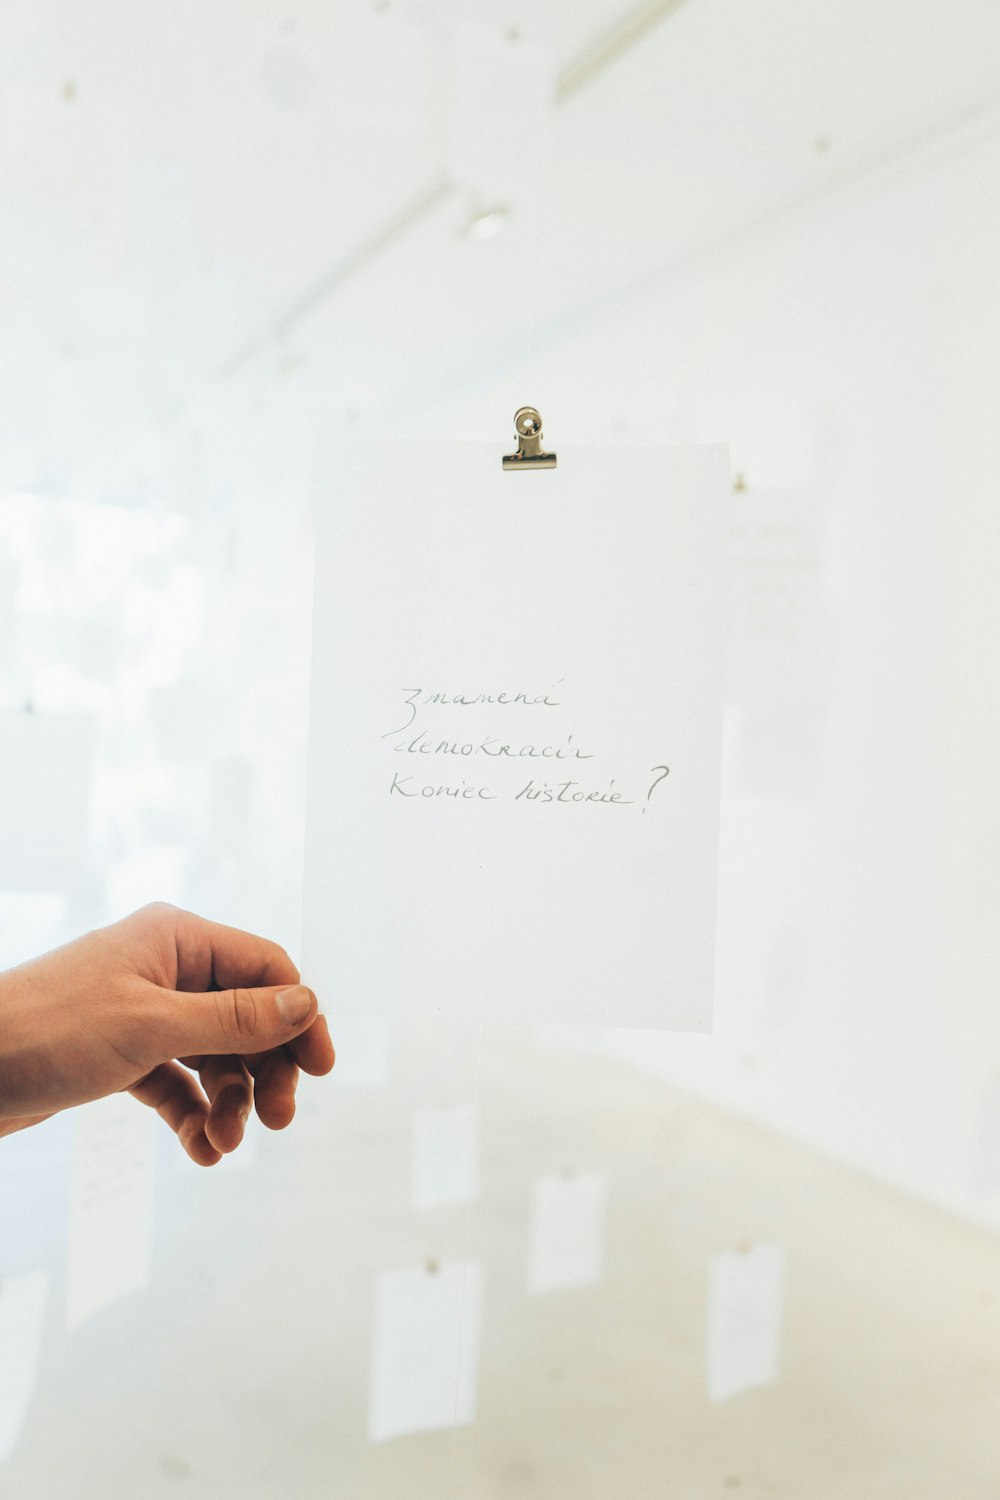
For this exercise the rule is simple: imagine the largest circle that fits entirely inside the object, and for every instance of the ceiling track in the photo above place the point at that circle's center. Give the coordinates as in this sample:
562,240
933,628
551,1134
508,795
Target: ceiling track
634,28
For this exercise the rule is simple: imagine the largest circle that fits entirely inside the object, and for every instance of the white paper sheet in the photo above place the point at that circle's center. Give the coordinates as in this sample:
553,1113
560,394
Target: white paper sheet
566,1240
745,1299
515,735
426,1349
445,1163
22,1315
110,1227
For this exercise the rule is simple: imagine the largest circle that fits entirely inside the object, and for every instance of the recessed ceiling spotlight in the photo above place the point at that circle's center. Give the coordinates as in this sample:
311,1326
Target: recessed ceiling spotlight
485,223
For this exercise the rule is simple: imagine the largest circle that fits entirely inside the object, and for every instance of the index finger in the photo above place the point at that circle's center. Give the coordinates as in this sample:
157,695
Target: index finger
213,956
312,1050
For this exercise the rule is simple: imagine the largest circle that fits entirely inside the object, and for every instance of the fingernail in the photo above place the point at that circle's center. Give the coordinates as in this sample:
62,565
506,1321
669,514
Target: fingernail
294,1004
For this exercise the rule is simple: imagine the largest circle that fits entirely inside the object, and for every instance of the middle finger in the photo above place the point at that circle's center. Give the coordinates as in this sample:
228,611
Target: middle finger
230,1096
275,1079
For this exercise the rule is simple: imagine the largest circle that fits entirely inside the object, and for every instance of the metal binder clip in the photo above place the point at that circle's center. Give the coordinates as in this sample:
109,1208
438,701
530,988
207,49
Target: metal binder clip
528,426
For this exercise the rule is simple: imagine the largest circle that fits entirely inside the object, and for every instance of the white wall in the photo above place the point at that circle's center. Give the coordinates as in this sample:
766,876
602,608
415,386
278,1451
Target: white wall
848,351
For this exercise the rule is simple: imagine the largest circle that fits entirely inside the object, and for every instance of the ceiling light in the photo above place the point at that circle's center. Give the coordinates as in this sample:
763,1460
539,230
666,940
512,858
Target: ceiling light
484,225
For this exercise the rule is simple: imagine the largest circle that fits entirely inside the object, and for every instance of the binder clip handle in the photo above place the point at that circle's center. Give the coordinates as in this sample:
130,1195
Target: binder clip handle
528,426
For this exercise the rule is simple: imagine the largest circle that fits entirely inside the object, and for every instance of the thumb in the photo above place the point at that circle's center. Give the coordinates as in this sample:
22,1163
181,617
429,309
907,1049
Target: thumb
237,1020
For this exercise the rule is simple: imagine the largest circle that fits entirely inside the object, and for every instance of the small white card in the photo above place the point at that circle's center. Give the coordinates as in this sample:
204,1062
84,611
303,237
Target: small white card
566,1240
746,1290
110,1227
515,735
445,1157
426,1349
22,1316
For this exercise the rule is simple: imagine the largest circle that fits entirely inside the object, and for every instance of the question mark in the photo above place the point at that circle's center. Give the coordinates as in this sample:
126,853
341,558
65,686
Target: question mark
666,772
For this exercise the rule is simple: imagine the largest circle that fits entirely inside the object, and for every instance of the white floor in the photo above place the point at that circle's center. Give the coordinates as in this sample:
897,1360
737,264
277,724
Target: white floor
244,1369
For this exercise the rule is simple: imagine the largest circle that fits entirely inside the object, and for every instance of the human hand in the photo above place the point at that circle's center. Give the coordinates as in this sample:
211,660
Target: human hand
147,1004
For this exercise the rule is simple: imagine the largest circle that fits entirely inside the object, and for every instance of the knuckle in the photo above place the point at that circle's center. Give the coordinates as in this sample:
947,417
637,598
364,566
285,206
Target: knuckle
156,911
240,1012
285,958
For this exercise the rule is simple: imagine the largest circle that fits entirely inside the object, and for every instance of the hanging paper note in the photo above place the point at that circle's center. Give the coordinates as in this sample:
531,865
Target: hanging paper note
426,1350
445,1157
110,1229
986,1149
566,1243
515,735
778,651
745,1299
22,1313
